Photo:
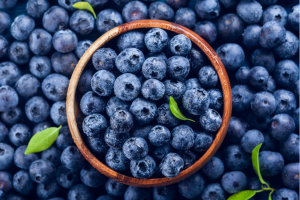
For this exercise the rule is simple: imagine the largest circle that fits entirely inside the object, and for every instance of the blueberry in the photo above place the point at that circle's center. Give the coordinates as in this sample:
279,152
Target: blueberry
161,11
58,113
6,156
164,192
154,68
159,135
22,183
52,154
207,9
270,163
160,152
114,104
8,98
143,168
192,83
65,177
185,17
40,66
121,121
115,140
263,104
285,101
165,116
102,82
236,130
116,160
104,59
64,138
91,177
230,27
131,39
67,4
231,55
207,30
91,103
286,73
84,83
171,165
127,87
272,35
290,175
72,159
143,111
195,101
203,141
153,89
23,161
216,99
6,181
254,183
192,186
21,27
80,191
55,87
174,88
40,41
182,137
251,36
156,40
135,148
19,134
250,11
235,158
264,58
189,158
213,169
270,87
289,48
251,139
141,131
130,60
295,117
4,131
105,197
19,52
177,5
15,197
259,123
82,46
5,21
270,144
64,63
9,73
210,120
178,67
97,145
208,77
267,2
293,20
94,125
229,3
3,45
82,22
115,188
157,55
137,193
213,191
134,10
180,45
42,171
285,193
27,86
36,8
64,41
37,109
55,18
108,19
234,182
275,13
242,96
281,126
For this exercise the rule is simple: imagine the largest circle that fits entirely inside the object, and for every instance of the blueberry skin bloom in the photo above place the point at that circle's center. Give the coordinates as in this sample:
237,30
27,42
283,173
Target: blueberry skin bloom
286,73
251,36
192,186
91,103
185,17
64,63
207,30
9,73
290,175
235,158
64,41
8,98
232,56
40,41
24,161
131,39
161,11
178,67
156,40
153,89
127,87
103,82
272,35
92,177
41,171
165,116
115,188
135,148
27,86
213,191
159,135
21,27
230,27
271,163
143,111
65,177
36,8
40,66
121,121
275,13
213,169
6,156
94,125
114,104
250,11
180,45
216,99
182,137
285,193
116,160
115,140
72,159
258,76
6,181
135,10
55,18
293,19
164,192
281,126
234,182
263,104
104,59
19,52
263,57
5,21
208,77
285,101
171,165
55,87
3,45
97,145
290,148
176,89
47,190
82,46
207,9
154,68
143,168
289,48
177,5
37,109
107,20
80,190
202,141
58,113
130,60
210,120
195,101
242,96
22,182
4,130
251,139
82,22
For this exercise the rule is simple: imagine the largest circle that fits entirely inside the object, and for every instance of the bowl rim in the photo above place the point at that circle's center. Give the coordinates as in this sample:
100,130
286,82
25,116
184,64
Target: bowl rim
72,107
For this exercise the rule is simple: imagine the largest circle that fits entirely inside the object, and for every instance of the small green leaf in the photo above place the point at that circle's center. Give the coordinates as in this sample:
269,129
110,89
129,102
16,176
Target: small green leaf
255,163
42,140
270,195
244,195
175,110
85,6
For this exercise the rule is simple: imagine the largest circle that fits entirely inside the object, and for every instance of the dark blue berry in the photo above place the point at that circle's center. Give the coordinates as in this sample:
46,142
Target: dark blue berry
121,121
264,58
67,4
285,193
160,152
159,135
272,35
58,113
94,125
65,177
233,182
52,154
24,161
131,39
251,36
130,60
3,45
180,45
154,68
192,186
195,101
242,96
6,156
174,88
285,101
84,83
293,19
22,182
208,77
165,117
203,141
8,4
36,8
164,192
213,169
231,55
263,104
196,59
182,137
157,55
141,131
281,126
156,40
213,191
6,181
251,139
143,168
236,130
289,48
270,87
37,109
290,175
91,177
235,158
91,103
81,191
40,42
40,66
259,123
5,21
207,30
116,160
114,104
176,5
21,27
55,87
82,22
250,11
185,17
27,86
72,159
275,13
153,89
127,87
108,19
135,148
270,163
64,63
216,99
64,138
171,165
134,10
115,188
210,120
230,27
19,134
192,83
207,9
64,41
9,73
42,171
19,52
161,11
4,131
189,158
115,140
8,98
97,145
82,46
286,73
270,144
104,59
143,111
102,83
55,18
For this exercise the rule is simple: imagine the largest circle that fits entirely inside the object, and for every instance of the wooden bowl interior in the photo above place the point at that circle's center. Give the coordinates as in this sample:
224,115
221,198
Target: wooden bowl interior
73,106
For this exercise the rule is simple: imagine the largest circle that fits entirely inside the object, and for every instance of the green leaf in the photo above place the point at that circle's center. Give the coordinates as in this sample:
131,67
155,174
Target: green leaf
255,163
244,195
42,140
175,110
270,195
85,6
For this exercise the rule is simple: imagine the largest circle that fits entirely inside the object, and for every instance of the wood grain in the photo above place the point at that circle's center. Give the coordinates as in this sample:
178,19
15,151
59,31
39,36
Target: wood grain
73,107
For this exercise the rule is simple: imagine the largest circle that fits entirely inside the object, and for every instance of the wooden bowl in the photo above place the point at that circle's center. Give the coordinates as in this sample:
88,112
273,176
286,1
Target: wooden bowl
73,107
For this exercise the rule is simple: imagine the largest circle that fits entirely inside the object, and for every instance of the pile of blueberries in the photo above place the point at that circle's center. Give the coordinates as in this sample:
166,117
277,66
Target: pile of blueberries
125,117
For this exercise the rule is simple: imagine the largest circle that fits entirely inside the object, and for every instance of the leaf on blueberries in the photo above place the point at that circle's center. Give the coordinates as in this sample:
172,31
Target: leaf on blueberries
85,6
244,195
255,163
175,110
42,140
